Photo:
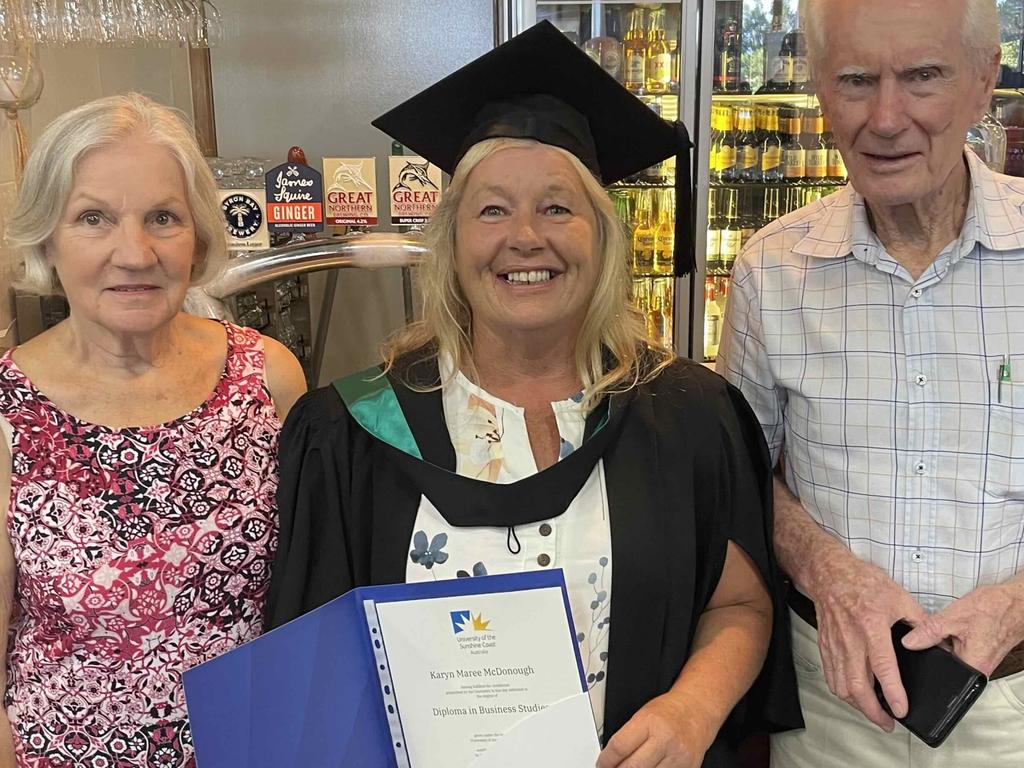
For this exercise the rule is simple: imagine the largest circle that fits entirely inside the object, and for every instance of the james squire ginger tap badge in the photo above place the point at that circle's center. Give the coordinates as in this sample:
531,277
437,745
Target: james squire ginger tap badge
415,189
295,196
351,191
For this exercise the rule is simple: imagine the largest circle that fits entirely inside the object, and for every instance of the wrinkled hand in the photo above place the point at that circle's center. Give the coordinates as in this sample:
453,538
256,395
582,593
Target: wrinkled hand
984,626
667,732
857,604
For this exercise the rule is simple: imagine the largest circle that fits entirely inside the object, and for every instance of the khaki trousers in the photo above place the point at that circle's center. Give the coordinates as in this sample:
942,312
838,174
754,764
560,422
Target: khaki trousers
991,735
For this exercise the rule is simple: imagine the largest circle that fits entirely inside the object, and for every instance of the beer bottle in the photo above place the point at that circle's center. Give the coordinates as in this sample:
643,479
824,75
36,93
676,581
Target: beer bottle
727,171
659,57
759,126
665,234
712,319
732,232
784,84
794,156
771,211
801,78
722,286
664,296
727,57
715,138
643,235
814,144
635,47
836,173
771,148
775,78
606,50
748,154
713,260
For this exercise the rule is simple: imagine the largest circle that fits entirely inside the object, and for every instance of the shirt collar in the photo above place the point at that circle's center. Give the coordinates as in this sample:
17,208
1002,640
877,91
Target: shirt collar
994,218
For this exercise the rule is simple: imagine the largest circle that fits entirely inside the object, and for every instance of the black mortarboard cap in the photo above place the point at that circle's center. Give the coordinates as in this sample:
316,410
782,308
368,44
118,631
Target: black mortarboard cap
540,86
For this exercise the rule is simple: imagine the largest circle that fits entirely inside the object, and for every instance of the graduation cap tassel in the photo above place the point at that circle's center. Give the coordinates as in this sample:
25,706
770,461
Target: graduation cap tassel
684,258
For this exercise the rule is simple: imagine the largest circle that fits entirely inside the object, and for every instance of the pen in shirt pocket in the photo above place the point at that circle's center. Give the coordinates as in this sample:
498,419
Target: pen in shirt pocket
1004,377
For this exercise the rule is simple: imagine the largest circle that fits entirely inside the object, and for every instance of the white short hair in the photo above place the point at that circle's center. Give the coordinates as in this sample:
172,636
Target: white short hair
49,177
980,31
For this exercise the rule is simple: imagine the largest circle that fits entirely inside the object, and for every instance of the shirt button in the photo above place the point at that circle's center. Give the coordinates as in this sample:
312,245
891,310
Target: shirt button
920,467
544,560
916,293
545,529
917,557
920,379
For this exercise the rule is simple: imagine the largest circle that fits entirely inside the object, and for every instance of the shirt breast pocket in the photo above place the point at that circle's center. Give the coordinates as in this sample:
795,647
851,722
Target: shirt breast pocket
1004,459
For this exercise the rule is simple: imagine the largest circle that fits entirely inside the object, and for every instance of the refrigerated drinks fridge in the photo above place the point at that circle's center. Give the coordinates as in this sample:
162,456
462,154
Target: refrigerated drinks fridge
642,46
738,78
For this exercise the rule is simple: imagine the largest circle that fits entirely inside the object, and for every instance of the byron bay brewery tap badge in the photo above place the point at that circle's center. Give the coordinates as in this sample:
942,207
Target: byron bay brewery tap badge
415,189
295,198
244,219
351,184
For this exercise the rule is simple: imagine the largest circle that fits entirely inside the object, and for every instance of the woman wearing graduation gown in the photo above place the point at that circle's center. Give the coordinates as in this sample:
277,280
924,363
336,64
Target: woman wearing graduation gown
526,423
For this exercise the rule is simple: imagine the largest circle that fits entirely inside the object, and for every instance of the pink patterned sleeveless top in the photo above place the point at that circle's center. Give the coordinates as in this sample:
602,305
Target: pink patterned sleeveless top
141,552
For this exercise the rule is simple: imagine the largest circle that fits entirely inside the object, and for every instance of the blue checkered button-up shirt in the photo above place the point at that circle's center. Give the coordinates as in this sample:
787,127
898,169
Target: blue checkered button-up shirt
884,391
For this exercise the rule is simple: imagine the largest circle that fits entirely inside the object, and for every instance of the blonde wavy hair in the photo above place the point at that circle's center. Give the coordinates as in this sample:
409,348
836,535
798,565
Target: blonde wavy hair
613,352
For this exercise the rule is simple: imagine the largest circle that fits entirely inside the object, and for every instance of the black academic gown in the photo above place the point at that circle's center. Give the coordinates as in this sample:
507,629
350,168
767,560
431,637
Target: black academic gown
686,469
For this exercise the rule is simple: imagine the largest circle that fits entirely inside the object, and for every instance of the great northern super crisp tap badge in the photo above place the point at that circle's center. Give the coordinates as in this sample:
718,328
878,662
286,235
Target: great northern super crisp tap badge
415,186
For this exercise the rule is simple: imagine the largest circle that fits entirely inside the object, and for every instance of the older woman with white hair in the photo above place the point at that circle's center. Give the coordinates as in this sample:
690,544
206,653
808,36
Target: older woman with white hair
527,423
139,462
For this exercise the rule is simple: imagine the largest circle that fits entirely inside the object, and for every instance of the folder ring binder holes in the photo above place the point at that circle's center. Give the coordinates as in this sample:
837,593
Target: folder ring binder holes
387,685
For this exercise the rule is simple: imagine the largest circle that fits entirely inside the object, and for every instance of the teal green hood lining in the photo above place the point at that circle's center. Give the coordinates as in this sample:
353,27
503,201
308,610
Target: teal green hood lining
371,401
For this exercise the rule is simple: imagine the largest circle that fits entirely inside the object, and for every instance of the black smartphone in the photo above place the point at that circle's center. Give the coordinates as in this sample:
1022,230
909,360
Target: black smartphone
940,688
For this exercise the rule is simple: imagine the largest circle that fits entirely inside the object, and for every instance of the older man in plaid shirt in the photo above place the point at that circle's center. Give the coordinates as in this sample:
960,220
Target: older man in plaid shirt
879,336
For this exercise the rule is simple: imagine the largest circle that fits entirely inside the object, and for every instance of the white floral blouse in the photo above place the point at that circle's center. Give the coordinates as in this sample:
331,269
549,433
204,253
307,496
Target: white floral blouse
491,443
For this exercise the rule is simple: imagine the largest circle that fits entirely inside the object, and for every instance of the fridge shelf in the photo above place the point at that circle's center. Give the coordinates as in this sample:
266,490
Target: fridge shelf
542,3
652,275
804,99
776,184
626,186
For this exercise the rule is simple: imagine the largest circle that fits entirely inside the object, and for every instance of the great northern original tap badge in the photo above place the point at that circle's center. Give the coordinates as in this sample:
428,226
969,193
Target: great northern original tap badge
244,220
415,189
295,198
351,184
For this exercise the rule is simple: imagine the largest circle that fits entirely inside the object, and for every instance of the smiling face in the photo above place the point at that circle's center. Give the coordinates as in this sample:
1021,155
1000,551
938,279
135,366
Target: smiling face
901,90
125,244
526,245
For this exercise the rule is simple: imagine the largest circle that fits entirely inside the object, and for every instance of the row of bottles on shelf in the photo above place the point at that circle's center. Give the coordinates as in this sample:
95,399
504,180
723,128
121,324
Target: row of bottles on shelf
784,57
641,54
654,298
773,144
651,61
716,293
735,214
649,216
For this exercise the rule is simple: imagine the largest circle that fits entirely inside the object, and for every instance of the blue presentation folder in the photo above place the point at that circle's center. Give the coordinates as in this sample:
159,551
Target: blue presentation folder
309,693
